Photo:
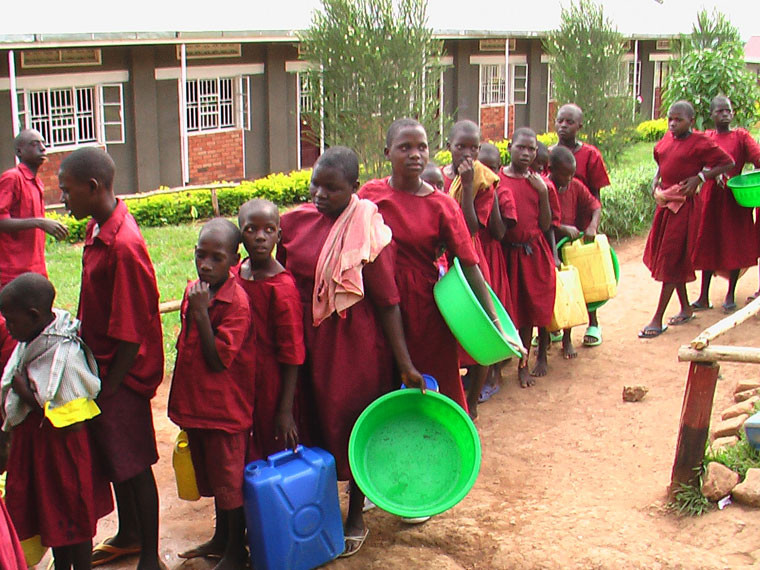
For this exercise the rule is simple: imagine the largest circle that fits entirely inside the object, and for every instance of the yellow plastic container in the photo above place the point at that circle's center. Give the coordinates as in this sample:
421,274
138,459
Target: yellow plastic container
33,550
184,472
594,264
569,303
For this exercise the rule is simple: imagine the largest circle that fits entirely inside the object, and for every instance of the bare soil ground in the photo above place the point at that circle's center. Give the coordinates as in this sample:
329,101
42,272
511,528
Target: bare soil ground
572,477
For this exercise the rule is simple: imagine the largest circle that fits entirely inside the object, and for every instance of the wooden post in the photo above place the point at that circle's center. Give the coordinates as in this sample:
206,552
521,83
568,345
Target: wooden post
215,202
695,422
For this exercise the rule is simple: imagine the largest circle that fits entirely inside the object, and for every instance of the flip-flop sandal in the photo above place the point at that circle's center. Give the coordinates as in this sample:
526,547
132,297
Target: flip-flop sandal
595,333
358,540
729,308
555,336
487,392
697,307
112,553
753,297
652,332
679,320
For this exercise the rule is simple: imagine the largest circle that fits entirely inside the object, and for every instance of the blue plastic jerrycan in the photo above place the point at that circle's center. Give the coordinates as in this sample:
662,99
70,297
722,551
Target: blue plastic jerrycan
292,510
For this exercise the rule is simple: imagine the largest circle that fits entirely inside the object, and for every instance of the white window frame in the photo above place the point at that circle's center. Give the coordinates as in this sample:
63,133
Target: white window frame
493,90
118,107
230,111
79,118
523,91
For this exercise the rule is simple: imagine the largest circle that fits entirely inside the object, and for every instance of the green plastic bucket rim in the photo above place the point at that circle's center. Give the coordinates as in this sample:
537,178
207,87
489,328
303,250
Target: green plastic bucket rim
734,183
363,481
515,344
615,266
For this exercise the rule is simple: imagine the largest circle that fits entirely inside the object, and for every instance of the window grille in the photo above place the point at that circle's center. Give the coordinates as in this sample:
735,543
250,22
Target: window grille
492,85
210,104
63,116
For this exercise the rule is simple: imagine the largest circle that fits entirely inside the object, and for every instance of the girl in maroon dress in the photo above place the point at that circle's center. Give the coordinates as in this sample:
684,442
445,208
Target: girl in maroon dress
423,221
681,156
726,240
350,346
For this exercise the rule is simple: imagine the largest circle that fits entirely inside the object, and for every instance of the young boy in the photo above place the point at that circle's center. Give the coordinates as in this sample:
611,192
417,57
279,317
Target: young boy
48,390
118,309
589,169
433,176
541,163
277,317
580,211
212,387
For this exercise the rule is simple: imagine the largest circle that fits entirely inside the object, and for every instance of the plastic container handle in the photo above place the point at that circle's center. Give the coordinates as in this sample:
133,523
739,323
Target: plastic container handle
565,240
284,456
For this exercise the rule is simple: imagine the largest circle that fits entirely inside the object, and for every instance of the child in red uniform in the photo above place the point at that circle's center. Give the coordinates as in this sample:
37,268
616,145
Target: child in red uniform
471,184
681,156
580,212
423,221
589,169
278,321
530,262
212,392
726,239
118,308
54,489
433,176
541,163
337,250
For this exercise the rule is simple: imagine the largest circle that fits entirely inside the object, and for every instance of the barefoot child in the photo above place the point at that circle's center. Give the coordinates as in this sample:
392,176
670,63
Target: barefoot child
337,250
471,184
212,386
278,321
681,156
530,262
726,239
580,212
118,308
589,169
422,222
49,386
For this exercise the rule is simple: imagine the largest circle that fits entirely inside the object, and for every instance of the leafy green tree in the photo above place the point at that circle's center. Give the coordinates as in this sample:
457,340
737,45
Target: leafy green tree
588,70
711,63
373,61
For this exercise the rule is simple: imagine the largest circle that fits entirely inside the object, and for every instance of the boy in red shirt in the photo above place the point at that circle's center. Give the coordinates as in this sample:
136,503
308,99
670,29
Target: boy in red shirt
589,169
579,212
118,309
22,212
212,390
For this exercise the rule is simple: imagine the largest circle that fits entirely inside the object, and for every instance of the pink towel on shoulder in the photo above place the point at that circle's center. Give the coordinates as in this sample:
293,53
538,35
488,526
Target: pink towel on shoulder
357,237
670,197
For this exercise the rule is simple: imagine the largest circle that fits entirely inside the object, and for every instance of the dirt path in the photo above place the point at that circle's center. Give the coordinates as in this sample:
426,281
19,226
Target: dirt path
571,477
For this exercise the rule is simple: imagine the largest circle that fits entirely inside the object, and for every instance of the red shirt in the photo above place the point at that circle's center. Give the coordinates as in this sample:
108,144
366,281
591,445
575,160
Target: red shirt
590,169
527,208
21,196
7,344
740,145
203,398
679,159
119,300
577,205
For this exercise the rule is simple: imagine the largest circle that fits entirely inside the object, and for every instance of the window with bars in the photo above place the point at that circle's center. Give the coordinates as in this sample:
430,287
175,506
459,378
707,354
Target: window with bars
210,104
304,93
492,85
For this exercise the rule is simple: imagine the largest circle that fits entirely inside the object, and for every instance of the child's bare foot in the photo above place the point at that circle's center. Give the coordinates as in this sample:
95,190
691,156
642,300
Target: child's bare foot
568,350
208,549
472,407
541,367
526,380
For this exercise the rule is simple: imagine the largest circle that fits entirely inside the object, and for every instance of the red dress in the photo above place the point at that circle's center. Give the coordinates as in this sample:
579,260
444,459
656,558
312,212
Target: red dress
669,251
577,205
278,321
590,169
11,555
421,225
530,262
348,361
726,238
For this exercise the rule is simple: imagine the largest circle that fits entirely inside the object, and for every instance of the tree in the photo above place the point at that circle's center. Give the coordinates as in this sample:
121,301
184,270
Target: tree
588,70
712,63
373,61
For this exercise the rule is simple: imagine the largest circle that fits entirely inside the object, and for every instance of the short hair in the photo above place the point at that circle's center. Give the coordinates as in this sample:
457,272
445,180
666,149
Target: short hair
718,99
90,162
399,124
465,126
575,108
23,136
224,227
684,107
542,150
29,291
486,148
561,156
342,158
259,204
524,131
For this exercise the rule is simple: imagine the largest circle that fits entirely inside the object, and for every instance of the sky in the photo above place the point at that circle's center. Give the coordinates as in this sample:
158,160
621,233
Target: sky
647,17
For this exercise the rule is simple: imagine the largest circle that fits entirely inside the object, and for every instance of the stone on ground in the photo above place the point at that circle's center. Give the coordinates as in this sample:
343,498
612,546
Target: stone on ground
730,426
723,442
634,393
748,491
748,384
718,481
745,407
746,394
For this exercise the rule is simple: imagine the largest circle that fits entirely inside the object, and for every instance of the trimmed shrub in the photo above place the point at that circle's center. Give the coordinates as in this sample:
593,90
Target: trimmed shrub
652,131
443,157
627,203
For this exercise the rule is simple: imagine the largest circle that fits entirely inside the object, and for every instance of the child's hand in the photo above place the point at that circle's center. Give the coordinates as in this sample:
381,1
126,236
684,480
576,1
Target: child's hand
285,429
466,171
590,234
571,232
198,297
690,186
537,182
412,378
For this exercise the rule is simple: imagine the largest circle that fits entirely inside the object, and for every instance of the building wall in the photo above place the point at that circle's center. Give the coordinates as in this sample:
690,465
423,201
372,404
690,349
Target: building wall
216,156
492,122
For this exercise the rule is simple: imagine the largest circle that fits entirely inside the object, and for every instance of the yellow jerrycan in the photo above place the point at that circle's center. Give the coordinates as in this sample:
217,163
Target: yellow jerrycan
569,303
594,264
184,473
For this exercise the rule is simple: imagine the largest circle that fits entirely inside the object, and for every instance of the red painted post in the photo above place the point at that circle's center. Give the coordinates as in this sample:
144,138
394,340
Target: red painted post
695,423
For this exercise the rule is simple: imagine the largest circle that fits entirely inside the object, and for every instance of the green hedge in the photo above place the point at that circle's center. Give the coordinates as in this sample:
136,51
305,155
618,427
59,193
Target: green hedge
652,131
627,203
443,157
181,207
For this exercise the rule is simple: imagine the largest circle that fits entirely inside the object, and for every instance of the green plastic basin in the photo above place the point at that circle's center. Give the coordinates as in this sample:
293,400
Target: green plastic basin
746,189
615,265
414,454
470,323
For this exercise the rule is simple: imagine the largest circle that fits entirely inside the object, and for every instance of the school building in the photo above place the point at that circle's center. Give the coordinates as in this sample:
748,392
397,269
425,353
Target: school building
176,108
